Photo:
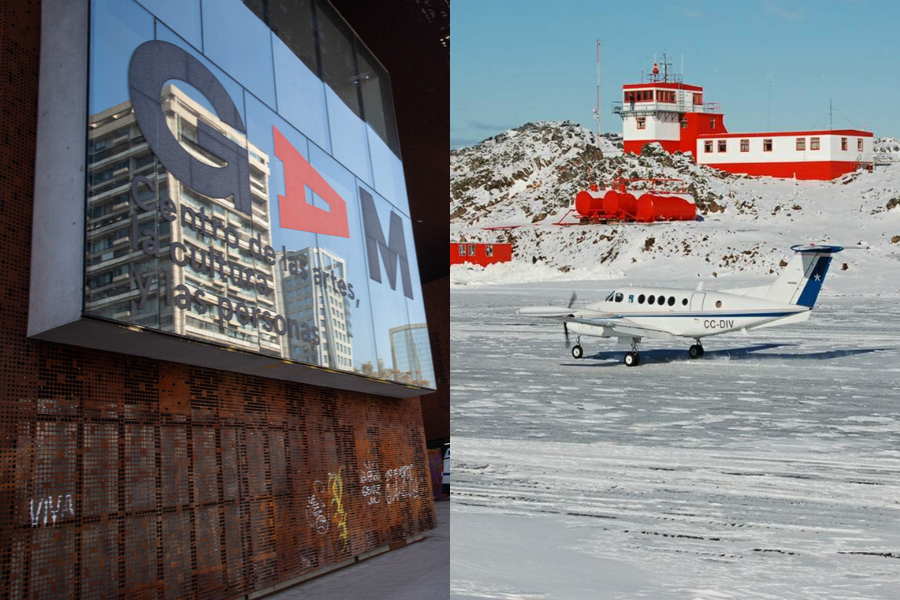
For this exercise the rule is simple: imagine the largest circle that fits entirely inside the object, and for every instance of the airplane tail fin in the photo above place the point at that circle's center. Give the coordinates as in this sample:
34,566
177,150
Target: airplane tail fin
802,279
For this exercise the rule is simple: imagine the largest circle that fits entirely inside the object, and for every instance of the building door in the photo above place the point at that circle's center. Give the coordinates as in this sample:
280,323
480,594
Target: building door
697,301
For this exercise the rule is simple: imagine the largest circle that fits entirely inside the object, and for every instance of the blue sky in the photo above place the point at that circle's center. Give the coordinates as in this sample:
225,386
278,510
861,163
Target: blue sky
518,61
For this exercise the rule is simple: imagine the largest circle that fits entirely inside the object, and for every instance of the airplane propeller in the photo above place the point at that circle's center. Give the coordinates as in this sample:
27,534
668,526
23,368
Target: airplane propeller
566,325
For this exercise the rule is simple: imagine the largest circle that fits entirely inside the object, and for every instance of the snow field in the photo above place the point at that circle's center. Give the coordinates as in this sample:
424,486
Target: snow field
770,468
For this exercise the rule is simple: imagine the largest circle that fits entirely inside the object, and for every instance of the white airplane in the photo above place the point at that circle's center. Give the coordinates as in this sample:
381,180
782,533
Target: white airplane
631,314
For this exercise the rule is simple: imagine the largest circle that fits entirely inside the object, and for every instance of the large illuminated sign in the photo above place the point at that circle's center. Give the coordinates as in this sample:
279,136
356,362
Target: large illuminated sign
236,194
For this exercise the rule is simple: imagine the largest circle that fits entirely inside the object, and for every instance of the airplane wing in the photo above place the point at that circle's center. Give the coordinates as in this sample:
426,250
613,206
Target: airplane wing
614,325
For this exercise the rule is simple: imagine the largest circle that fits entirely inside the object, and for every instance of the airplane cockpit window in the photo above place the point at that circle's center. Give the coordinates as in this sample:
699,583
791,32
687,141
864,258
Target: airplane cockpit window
619,296
641,299
671,300
610,297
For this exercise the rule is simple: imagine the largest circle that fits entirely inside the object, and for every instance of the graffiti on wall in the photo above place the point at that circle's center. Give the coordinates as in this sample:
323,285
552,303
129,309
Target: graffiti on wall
317,509
336,487
43,509
396,484
370,480
400,483
326,508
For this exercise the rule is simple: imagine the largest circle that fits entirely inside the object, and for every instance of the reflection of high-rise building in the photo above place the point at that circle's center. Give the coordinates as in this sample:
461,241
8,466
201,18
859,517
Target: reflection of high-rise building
411,351
317,293
126,283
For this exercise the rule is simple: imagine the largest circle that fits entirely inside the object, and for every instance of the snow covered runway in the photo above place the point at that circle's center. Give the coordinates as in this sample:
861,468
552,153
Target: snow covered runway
770,468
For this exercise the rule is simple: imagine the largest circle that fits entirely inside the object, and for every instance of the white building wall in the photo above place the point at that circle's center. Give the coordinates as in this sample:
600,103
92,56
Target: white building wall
663,127
852,153
784,149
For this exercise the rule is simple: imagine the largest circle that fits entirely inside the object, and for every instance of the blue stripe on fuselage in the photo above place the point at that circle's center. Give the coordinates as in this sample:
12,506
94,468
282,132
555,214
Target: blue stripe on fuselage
700,315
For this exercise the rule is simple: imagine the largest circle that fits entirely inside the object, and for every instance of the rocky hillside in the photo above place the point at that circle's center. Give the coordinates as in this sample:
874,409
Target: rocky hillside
522,181
535,170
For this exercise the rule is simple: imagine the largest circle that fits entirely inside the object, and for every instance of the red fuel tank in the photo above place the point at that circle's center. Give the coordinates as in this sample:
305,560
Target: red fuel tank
621,204
652,207
589,204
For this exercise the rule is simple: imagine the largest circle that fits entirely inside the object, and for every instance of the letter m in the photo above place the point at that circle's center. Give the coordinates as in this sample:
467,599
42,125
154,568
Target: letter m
392,252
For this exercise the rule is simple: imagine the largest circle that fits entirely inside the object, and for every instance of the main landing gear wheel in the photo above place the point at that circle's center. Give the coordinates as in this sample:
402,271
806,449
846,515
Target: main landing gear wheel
632,359
577,351
695,351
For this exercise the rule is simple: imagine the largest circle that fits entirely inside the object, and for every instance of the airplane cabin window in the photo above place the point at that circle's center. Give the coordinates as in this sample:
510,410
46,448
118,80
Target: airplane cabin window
684,301
650,299
671,300
641,299
620,296
718,304
661,300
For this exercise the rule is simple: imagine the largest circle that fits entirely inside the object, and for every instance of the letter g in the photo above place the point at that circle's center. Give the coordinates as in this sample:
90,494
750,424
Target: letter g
152,65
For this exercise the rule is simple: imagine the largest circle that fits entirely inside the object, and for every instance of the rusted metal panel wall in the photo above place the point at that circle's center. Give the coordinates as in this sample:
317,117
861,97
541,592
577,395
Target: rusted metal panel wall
135,478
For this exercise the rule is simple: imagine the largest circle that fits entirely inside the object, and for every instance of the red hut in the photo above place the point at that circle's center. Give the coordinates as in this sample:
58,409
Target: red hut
479,253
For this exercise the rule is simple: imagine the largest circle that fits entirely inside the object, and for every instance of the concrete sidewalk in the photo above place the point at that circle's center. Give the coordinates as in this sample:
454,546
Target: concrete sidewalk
420,571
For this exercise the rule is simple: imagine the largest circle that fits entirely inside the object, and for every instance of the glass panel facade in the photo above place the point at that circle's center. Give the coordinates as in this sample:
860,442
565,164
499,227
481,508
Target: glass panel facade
244,186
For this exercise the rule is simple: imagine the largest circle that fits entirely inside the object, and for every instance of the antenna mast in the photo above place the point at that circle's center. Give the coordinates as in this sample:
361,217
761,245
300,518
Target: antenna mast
597,107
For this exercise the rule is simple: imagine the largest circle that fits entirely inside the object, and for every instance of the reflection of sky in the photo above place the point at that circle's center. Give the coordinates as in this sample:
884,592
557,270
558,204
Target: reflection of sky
125,26
182,15
239,45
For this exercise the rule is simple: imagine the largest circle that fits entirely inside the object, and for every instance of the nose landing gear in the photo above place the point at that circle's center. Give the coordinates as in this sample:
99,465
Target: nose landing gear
696,351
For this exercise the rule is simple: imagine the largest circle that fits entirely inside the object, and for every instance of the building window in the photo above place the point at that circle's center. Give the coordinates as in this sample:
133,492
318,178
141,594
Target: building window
698,99
640,96
707,146
471,249
767,144
641,122
859,145
745,145
801,144
712,124
462,249
684,123
814,143
666,96
723,145
488,250
844,144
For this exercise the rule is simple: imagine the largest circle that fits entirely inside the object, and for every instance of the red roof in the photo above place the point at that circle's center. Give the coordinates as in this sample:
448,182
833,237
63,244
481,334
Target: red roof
854,132
662,85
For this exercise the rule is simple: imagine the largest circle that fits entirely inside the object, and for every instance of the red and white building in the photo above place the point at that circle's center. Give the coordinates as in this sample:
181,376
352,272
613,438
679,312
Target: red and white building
675,115
800,154
671,113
